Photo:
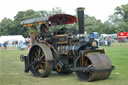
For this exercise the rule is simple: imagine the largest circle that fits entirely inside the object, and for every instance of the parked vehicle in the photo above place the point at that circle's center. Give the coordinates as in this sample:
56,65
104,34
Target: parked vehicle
122,36
22,46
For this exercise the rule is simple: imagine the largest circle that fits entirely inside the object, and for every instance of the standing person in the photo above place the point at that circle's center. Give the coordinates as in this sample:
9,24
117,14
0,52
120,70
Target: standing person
102,41
109,40
2,46
5,45
127,39
105,41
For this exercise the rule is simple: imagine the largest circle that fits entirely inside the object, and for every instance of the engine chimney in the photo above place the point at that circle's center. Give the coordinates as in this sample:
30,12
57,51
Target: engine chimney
80,14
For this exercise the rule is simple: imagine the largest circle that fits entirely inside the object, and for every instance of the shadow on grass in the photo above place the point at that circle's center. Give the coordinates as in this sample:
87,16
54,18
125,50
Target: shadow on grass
52,75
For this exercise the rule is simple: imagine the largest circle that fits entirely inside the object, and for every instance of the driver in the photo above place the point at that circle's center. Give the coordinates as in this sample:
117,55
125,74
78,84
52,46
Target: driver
44,29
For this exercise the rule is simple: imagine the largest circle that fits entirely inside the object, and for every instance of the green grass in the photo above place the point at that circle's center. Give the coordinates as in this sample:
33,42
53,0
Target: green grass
12,70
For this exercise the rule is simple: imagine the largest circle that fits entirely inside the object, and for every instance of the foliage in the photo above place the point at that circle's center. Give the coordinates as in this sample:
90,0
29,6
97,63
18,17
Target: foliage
6,27
119,19
92,24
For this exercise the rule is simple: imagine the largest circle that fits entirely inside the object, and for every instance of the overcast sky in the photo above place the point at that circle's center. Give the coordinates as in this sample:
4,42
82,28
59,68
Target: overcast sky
101,9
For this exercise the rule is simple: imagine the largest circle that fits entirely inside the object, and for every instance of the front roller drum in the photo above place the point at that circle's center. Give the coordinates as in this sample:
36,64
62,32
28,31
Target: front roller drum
43,55
94,67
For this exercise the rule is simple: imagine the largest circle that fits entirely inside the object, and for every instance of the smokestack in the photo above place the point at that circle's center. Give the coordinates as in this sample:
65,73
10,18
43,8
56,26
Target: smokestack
80,14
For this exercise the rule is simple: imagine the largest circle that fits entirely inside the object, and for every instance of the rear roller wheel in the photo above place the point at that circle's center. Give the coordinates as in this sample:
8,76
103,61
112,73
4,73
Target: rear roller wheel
43,66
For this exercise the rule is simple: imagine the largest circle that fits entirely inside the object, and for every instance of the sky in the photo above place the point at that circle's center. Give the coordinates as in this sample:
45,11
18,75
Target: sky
101,9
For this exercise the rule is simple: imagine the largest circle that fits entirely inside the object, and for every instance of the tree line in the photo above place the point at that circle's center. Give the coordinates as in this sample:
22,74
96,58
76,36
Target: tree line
117,22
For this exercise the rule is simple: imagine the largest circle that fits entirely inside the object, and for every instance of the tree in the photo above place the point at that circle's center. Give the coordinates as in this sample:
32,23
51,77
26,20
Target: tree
6,26
23,15
93,25
121,20
56,10
122,12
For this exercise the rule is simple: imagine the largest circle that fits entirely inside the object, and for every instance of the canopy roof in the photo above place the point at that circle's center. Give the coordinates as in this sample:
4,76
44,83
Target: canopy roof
61,19
34,20
58,19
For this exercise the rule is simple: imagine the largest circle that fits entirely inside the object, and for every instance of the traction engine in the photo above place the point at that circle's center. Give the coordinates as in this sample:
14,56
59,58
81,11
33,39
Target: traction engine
66,50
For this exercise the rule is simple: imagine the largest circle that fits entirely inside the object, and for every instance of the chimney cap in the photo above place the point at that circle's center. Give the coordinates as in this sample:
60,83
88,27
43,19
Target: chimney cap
80,9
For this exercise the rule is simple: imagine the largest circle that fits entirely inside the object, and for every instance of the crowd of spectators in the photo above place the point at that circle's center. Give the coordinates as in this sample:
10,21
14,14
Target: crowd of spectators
105,41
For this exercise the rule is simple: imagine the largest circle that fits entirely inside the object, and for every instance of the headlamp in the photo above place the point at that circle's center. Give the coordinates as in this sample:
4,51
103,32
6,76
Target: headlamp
94,43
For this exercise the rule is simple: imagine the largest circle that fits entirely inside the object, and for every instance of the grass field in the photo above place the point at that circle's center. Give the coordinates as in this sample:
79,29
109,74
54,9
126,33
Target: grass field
12,70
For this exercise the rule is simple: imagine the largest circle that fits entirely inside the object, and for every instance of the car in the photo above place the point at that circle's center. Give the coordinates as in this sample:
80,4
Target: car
22,46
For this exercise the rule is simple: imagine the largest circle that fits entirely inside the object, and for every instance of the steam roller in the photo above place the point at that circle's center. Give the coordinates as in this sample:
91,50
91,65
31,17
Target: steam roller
91,67
66,50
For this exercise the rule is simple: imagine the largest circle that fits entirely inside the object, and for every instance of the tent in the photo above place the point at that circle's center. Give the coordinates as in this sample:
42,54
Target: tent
12,38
